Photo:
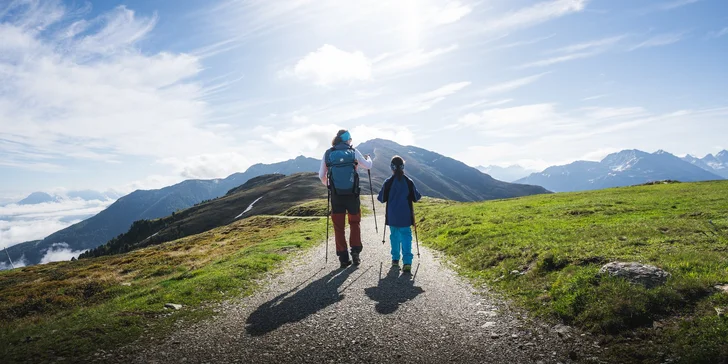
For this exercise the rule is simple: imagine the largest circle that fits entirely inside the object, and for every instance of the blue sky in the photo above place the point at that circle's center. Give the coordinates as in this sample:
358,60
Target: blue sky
142,94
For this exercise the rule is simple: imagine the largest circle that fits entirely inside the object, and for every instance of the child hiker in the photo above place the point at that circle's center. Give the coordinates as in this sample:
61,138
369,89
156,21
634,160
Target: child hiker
399,192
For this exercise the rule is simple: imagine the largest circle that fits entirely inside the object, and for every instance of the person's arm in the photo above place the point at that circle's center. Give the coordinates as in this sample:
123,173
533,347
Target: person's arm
363,162
380,198
323,171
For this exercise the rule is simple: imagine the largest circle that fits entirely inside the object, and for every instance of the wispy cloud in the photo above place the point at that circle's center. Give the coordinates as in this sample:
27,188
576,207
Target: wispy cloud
536,14
718,33
393,63
523,42
659,40
595,97
559,59
590,45
513,84
577,51
674,4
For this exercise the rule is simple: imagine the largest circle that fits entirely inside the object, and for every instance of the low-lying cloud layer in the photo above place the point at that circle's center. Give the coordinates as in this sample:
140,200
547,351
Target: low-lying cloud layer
59,252
21,223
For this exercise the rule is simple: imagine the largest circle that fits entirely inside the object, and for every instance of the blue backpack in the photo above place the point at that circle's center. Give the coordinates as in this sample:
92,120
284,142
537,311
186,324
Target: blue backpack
342,175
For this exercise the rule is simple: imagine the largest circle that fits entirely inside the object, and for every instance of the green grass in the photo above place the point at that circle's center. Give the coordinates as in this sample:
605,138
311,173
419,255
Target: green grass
71,309
558,242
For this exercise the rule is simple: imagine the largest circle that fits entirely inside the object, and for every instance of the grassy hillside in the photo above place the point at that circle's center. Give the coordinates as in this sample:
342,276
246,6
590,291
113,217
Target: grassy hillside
545,252
71,309
268,195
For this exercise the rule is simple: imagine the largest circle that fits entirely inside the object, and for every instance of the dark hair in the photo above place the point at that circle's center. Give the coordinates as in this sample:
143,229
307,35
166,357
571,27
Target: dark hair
337,138
397,166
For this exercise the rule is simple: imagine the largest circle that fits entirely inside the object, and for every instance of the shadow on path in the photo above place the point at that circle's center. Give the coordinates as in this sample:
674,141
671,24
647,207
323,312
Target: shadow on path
393,290
287,308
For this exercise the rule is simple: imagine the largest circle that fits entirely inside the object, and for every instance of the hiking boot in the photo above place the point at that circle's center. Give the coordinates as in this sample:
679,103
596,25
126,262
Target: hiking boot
395,263
355,258
407,268
345,264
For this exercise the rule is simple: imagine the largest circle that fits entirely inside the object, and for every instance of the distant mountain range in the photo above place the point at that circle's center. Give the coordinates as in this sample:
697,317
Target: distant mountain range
147,204
717,164
86,195
437,175
270,194
506,174
628,167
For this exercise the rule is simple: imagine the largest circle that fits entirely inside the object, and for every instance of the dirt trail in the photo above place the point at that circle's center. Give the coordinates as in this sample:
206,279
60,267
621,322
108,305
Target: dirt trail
316,313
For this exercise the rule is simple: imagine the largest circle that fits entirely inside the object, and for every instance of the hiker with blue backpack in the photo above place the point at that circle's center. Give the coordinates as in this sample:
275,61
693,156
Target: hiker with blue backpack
339,172
400,192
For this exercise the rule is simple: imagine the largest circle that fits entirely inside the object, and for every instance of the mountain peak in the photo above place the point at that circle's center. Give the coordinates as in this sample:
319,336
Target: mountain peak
36,198
723,155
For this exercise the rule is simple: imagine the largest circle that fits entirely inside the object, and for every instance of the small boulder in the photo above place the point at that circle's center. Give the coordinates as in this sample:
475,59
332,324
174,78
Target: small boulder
722,287
646,275
562,330
173,306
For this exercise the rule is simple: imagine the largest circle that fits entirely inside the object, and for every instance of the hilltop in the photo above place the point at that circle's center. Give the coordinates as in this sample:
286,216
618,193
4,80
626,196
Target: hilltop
264,195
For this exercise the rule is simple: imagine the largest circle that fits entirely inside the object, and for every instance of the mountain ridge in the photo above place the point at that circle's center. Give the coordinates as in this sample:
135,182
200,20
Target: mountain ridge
624,168
717,164
437,175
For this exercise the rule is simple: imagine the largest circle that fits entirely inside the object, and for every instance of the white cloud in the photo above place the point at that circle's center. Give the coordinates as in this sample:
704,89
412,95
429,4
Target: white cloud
310,140
84,90
21,223
400,134
330,65
659,40
599,154
514,121
29,229
207,166
60,252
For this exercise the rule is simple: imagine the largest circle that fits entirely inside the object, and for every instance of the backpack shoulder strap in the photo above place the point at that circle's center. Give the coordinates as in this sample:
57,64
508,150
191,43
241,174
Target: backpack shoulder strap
327,155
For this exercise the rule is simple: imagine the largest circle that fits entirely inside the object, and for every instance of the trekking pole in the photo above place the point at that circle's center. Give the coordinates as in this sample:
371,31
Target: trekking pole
328,216
384,234
373,206
417,239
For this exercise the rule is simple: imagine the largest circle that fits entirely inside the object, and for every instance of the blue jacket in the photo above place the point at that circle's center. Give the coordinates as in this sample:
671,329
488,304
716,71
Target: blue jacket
399,200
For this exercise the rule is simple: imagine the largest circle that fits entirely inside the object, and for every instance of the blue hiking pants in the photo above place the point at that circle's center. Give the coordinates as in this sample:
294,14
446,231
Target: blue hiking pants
401,238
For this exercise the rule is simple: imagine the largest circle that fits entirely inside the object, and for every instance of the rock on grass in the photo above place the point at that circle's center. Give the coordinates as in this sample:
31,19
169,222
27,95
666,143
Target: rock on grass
646,275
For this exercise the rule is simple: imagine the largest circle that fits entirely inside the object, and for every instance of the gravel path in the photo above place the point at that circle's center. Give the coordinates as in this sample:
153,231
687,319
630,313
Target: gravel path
316,313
